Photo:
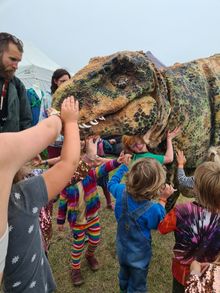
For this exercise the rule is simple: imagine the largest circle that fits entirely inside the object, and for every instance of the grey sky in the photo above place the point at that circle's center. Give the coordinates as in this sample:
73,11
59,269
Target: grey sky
72,31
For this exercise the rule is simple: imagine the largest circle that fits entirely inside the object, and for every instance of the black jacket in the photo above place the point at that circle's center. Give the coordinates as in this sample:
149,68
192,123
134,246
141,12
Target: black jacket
19,110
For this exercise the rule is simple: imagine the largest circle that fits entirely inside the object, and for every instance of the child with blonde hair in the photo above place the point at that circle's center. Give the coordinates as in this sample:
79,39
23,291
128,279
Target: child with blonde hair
137,214
196,225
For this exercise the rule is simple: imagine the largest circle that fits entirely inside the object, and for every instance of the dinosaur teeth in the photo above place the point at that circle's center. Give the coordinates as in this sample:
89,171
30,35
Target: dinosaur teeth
80,126
84,125
94,122
102,118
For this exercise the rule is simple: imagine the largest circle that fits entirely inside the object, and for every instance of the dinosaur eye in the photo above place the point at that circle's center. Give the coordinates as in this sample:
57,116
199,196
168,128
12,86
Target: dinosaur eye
121,83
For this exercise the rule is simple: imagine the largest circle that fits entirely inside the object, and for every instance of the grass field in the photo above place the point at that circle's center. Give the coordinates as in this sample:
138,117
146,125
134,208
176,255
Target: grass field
105,280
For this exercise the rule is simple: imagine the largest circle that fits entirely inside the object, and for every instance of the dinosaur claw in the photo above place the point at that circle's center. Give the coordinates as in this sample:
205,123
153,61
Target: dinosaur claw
101,118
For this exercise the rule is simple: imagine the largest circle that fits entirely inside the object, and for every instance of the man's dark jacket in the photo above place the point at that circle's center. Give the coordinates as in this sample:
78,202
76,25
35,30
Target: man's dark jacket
19,110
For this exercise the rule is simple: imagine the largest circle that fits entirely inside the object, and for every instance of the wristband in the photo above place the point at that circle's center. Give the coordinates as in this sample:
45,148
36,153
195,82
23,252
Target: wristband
53,111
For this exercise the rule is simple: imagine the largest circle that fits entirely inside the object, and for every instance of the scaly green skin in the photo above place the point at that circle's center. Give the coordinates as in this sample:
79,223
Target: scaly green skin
137,98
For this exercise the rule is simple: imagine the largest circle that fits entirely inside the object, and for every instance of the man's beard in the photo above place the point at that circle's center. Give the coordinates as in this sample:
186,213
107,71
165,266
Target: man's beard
6,74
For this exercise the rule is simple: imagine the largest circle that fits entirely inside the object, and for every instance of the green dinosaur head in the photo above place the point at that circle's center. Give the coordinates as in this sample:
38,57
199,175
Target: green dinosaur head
126,89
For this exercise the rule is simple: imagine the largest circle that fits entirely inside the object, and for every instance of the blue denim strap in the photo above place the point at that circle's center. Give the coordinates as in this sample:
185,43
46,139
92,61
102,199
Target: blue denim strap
124,202
139,211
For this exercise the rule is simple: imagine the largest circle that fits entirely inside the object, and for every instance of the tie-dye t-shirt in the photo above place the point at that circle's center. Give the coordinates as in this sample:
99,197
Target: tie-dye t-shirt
198,233
197,236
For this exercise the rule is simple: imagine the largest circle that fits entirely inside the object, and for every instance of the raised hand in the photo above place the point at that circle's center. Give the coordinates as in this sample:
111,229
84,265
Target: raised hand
181,159
91,146
166,190
69,110
124,158
172,134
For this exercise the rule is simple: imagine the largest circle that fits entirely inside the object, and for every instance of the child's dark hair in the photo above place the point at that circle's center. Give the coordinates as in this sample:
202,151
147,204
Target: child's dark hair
207,185
145,179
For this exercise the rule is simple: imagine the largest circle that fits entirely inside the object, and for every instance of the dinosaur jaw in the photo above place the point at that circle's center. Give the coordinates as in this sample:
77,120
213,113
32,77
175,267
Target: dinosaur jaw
134,118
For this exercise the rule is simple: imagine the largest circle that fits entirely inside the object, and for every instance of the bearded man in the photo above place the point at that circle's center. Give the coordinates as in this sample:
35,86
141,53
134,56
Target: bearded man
15,111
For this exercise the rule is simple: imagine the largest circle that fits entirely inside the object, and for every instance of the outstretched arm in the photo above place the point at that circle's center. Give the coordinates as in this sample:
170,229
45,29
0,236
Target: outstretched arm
168,157
57,177
16,149
183,180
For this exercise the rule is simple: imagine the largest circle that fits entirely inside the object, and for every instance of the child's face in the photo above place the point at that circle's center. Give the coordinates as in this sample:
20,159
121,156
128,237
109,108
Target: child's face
138,146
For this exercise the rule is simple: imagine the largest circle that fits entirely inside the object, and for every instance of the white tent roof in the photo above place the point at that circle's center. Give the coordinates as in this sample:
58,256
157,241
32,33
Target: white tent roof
36,68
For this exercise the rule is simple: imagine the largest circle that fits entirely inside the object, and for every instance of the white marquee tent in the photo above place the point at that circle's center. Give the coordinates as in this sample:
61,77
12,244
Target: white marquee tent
36,68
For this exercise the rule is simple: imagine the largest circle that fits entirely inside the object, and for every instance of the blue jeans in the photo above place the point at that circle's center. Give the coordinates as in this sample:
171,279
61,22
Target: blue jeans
132,280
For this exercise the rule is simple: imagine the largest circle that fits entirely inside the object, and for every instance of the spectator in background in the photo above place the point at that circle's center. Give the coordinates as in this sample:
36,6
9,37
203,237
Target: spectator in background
15,112
59,76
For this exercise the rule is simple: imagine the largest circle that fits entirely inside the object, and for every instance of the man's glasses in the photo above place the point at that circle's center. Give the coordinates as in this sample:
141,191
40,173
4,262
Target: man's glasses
15,40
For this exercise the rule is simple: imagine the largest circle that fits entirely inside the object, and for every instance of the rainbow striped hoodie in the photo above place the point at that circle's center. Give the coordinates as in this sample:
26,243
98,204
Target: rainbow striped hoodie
69,197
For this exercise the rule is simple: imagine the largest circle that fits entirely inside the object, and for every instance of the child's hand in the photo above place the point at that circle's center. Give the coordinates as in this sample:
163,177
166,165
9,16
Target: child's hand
124,158
174,133
166,191
91,146
70,110
195,267
181,159
112,141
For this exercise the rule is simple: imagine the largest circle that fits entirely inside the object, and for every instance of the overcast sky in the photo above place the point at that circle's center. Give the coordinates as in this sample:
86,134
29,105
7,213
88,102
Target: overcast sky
70,32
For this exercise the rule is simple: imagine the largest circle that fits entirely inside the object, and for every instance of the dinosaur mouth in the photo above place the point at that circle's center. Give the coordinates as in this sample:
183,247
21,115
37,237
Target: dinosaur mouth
91,123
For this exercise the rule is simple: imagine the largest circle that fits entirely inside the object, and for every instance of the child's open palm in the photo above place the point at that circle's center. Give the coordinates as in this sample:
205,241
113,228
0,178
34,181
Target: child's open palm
70,110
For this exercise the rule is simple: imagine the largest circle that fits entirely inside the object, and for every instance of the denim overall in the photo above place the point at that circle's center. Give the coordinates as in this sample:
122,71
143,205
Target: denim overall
133,249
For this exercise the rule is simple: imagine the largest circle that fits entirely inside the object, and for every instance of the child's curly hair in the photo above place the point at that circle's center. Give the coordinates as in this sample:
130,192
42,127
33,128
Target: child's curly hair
145,179
207,185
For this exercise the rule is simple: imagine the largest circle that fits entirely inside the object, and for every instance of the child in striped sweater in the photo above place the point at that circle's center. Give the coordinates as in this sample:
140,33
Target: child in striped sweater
80,203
